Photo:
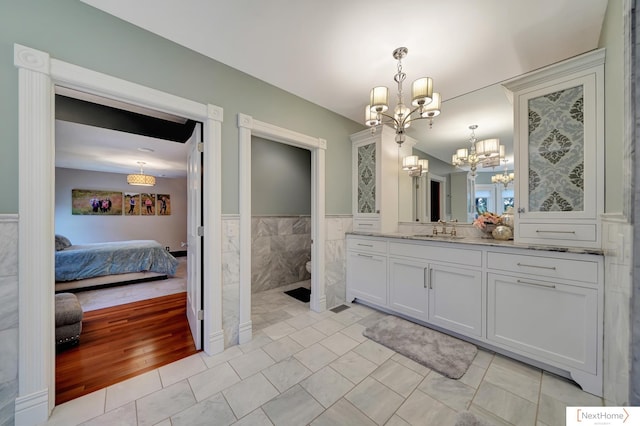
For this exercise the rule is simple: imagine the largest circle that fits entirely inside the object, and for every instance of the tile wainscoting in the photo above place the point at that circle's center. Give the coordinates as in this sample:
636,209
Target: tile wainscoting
280,248
617,241
335,266
8,317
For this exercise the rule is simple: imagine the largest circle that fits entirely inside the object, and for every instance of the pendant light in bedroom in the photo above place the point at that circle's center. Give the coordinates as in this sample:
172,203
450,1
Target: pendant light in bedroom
141,179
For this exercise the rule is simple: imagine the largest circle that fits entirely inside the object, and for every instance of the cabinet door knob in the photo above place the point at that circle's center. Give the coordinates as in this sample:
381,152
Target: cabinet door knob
521,210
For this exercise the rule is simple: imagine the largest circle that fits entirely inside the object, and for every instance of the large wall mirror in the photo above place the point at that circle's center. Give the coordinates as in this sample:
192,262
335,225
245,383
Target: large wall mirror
447,192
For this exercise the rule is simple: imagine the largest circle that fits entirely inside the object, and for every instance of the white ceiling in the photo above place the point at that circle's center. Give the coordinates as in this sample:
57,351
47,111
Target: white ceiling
332,52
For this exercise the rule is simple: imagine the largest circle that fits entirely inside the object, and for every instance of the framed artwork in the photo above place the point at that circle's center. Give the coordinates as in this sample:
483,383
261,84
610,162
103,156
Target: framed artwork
163,206
148,204
132,204
94,202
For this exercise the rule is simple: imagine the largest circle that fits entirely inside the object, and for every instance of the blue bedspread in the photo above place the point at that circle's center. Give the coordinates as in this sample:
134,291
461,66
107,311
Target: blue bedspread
93,260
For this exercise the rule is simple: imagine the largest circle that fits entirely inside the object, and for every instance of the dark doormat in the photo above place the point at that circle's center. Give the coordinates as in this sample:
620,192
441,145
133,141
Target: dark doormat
300,293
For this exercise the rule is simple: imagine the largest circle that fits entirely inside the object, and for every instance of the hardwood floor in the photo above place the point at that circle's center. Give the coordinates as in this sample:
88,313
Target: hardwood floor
123,341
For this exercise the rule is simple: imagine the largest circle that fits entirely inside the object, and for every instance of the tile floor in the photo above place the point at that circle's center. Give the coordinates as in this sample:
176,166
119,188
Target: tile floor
307,368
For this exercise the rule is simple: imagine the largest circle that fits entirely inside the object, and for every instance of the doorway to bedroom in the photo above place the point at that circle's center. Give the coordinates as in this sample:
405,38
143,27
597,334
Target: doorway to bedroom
136,301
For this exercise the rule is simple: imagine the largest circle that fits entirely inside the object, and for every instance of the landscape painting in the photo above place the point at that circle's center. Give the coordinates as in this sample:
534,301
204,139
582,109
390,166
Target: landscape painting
96,202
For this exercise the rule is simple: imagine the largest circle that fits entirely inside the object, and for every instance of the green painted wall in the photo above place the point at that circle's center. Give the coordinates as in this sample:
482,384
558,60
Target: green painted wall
79,34
612,37
280,179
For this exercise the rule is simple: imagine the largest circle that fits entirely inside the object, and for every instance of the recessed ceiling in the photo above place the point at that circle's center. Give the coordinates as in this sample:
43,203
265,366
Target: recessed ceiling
331,53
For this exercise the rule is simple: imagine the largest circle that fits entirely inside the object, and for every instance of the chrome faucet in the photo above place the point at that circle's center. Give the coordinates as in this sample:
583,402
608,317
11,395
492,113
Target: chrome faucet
444,231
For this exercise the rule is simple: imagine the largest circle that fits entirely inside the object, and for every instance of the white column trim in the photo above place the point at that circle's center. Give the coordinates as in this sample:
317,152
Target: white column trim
38,74
248,127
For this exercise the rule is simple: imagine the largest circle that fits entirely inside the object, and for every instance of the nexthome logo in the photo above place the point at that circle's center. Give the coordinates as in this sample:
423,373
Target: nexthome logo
602,416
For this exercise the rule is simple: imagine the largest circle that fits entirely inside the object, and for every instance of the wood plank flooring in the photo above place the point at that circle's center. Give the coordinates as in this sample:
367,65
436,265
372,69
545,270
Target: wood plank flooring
124,341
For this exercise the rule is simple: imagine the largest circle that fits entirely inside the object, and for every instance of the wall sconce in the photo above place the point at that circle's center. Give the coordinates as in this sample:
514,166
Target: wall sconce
415,166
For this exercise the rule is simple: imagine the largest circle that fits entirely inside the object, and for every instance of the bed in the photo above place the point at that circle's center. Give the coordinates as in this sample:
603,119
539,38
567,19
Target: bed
111,263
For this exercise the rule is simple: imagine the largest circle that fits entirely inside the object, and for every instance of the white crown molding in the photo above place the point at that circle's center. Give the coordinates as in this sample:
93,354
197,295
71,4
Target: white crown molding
31,59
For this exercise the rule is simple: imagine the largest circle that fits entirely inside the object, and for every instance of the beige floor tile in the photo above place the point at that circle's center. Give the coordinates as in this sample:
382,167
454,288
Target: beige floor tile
79,410
421,409
327,386
397,377
164,403
255,418
286,373
250,363
411,364
315,357
259,340
301,321
339,343
396,420
201,414
328,326
505,405
483,358
342,413
568,392
182,369
355,332
279,330
294,407
375,400
249,394
515,378
213,380
226,355
452,393
374,352
307,336
132,389
122,416
353,366
473,376
282,348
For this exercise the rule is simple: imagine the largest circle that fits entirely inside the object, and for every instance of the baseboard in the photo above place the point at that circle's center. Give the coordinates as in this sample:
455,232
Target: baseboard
32,409
245,333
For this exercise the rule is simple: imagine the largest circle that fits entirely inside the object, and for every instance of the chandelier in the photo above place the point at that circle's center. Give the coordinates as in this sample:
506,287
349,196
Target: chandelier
479,152
503,178
425,103
140,178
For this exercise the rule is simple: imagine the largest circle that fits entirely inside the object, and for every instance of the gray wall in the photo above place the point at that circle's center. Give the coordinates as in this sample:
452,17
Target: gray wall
169,230
280,179
77,33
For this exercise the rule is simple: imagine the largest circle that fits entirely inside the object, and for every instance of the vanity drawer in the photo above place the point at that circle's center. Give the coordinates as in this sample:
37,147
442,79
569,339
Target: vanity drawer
553,267
437,253
366,225
567,232
363,244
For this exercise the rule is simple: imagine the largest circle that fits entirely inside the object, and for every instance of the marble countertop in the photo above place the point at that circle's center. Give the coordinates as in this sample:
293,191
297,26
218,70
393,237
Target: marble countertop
469,240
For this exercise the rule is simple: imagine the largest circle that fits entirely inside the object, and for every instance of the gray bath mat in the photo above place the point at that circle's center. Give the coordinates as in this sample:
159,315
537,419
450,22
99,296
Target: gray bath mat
447,355
466,418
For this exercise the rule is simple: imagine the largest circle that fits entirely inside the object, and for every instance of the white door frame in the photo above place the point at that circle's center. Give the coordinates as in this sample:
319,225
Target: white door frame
247,127
38,74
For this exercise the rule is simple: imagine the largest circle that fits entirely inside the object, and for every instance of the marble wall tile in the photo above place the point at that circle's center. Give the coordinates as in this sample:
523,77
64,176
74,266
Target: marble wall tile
8,246
230,279
8,316
335,259
281,246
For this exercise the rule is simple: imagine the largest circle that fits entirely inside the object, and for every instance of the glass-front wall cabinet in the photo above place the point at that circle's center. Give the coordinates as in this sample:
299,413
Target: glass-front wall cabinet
559,145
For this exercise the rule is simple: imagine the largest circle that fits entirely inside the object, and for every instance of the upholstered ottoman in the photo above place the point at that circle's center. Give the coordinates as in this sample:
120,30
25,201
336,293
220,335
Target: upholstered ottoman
68,319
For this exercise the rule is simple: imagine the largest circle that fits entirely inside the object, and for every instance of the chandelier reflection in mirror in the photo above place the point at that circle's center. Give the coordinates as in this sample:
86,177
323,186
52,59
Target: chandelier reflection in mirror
425,101
482,152
415,166
505,178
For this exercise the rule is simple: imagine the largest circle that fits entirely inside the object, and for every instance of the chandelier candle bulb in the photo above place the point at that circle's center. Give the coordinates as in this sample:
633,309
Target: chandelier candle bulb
380,99
433,109
422,91
370,116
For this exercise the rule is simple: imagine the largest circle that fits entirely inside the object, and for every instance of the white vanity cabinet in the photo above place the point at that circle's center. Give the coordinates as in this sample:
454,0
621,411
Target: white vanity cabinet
367,270
559,152
376,161
542,306
437,284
